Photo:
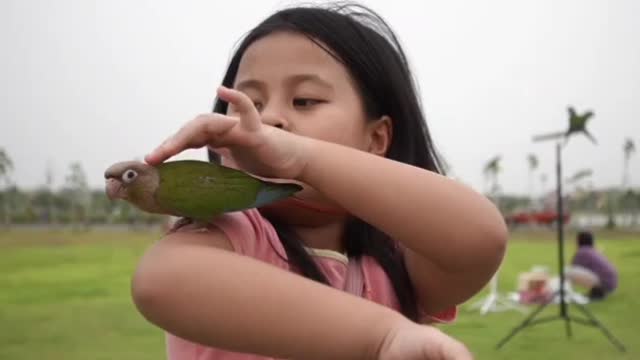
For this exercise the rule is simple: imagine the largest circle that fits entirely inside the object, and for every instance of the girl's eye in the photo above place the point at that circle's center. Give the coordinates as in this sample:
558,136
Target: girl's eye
304,102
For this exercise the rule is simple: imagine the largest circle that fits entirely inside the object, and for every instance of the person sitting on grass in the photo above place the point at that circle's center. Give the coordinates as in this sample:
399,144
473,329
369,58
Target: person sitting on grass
591,269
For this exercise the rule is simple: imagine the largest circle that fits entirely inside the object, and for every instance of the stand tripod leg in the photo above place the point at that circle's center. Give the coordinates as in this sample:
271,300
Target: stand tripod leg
522,325
489,304
604,330
564,314
567,322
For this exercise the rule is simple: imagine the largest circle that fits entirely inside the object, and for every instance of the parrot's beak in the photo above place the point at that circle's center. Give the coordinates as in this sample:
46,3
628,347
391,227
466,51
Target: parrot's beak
114,189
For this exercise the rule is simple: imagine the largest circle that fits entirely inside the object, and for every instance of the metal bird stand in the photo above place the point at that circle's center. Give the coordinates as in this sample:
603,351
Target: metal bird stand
576,124
495,301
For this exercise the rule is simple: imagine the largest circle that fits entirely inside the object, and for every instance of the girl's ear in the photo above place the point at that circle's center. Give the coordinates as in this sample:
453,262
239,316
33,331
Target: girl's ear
380,135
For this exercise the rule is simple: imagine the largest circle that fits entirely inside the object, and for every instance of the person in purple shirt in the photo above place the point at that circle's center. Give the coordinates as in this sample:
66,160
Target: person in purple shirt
591,269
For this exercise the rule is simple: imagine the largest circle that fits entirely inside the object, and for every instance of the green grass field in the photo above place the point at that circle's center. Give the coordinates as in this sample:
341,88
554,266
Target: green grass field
66,296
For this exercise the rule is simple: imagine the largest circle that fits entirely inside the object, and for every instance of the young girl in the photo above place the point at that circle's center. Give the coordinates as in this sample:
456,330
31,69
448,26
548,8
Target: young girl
376,243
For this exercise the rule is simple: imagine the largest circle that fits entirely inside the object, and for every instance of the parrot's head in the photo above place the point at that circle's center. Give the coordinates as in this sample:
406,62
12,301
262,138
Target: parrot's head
130,180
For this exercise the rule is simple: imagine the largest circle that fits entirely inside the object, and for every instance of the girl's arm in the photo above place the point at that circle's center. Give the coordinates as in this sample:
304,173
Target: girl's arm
191,285
455,237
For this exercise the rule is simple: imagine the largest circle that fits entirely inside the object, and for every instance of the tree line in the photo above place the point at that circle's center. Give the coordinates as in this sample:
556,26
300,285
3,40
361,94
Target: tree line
76,203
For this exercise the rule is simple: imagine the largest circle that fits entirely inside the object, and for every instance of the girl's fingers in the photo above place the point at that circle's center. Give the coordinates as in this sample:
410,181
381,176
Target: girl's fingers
249,116
158,155
208,129
461,353
195,134
454,350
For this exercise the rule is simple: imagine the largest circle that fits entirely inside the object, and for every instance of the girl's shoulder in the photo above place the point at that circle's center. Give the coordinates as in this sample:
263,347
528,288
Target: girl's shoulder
248,232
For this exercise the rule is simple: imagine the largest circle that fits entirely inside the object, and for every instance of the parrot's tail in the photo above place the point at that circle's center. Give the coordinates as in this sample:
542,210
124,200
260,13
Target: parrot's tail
272,192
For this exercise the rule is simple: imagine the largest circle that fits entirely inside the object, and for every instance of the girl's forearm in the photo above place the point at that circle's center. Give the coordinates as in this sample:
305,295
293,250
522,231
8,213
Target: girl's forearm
437,217
222,299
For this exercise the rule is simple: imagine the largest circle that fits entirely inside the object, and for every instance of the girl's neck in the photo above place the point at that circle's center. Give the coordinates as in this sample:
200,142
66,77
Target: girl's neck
316,229
328,236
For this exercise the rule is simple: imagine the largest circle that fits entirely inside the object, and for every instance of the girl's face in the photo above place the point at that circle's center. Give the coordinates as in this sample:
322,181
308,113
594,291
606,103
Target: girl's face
297,86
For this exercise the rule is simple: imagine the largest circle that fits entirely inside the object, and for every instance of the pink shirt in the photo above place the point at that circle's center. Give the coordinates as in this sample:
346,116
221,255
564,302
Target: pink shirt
252,235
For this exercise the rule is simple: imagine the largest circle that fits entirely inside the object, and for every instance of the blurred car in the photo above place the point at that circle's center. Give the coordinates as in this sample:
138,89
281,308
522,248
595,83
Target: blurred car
535,217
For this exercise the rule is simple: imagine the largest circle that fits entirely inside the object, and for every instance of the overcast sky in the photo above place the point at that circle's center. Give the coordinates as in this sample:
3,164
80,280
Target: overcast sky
105,81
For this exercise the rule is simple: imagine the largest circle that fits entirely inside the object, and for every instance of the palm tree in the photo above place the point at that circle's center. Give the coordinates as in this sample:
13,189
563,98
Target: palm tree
6,165
76,182
579,176
543,183
629,149
532,160
577,180
491,170
49,185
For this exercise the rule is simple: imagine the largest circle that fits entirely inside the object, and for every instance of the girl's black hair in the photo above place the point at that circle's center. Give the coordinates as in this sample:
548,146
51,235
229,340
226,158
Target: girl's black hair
363,42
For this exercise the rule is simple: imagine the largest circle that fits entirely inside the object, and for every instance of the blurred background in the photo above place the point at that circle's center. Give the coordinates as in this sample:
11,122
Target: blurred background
85,84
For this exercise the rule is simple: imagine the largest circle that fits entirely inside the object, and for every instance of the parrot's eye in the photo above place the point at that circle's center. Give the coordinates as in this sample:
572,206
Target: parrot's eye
129,176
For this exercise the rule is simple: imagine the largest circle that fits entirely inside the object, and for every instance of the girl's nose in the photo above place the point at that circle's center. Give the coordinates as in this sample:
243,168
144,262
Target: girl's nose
274,119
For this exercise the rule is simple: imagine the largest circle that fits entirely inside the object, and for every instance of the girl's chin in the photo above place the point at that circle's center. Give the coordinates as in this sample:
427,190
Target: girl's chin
299,212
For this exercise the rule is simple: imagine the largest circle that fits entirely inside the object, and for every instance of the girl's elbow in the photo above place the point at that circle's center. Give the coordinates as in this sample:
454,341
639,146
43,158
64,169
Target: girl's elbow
495,230
496,242
491,233
501,235
170,271
149,288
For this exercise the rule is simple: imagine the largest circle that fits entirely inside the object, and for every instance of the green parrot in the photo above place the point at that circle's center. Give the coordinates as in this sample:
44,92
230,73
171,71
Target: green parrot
578,123
188,188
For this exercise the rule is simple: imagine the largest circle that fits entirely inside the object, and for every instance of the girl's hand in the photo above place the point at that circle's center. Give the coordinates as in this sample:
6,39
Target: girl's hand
411,341
255,147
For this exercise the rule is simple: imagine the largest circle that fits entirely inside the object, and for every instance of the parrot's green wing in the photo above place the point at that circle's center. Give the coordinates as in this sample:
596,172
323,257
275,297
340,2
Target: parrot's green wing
572,117
201,190
578,123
